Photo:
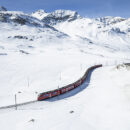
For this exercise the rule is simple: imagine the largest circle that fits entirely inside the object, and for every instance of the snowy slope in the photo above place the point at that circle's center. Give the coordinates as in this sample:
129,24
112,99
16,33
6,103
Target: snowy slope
113,37
103,105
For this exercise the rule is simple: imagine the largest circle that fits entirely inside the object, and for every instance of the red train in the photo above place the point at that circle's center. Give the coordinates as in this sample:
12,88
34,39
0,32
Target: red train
67,88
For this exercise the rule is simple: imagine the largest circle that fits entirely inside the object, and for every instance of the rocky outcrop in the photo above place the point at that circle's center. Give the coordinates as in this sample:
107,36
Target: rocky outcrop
56,16
2,8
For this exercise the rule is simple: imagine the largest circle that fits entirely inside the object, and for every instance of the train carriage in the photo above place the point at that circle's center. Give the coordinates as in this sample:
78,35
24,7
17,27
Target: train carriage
70,87
63,90
55,93
44,96
77,83
67,88
83,78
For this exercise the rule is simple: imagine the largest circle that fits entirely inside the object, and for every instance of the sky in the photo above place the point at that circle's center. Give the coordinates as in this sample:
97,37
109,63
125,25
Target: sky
88,8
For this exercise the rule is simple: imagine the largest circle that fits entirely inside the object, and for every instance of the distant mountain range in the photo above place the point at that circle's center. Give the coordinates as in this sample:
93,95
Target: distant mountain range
112,33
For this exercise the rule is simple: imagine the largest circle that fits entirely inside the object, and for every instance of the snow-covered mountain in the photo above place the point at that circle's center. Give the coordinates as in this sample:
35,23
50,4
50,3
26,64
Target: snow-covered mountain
63,31
108,33
100,30
23,28
2,8
57,16
40,14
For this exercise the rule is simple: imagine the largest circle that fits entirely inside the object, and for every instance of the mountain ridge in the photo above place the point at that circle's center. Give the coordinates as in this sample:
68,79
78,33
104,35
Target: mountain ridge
109,33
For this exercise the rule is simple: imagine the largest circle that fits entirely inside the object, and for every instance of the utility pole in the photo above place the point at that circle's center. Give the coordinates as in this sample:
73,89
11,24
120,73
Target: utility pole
15,102
58,91
60,77
59,84
80,66
28,82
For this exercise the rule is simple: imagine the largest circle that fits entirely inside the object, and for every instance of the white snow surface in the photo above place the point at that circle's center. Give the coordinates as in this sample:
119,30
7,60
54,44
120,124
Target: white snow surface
36,57
104,104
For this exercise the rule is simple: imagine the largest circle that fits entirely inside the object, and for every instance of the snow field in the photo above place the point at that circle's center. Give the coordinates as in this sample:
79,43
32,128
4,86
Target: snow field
102,105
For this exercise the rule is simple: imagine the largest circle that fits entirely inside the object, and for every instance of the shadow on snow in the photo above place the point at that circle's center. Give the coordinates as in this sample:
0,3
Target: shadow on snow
74,91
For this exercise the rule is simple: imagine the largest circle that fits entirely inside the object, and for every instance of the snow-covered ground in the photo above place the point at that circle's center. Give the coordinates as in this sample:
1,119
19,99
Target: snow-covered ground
57,65
104,104
43,51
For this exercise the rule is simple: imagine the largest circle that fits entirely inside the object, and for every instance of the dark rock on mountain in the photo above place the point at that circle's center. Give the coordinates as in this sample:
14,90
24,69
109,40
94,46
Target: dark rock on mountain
2,8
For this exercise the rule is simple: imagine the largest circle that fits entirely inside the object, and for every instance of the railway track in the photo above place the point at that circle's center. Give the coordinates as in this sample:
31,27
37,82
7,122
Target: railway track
78,83
19,104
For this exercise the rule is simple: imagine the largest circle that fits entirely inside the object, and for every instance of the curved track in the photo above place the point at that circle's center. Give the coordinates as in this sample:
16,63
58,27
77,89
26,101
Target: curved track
67,88
67,94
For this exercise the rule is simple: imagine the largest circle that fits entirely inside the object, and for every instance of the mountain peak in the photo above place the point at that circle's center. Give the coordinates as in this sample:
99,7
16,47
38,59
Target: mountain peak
40,14
59,16
110,20
56,16
2,8
63,13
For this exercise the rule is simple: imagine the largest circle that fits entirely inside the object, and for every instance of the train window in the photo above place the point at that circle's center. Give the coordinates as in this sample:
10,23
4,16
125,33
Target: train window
54,93
71,86
46,95
63,90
